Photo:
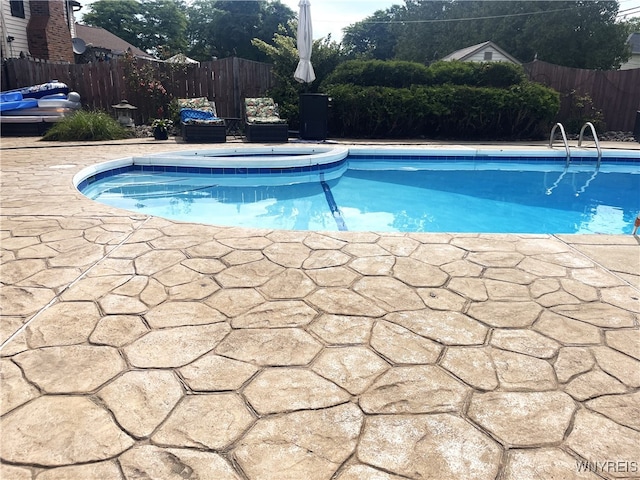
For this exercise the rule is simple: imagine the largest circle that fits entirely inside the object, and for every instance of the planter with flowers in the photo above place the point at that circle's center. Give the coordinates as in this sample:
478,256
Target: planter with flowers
161,128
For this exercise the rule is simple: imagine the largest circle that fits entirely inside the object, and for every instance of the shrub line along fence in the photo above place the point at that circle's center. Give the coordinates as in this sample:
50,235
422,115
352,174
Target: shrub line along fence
616,93
103,84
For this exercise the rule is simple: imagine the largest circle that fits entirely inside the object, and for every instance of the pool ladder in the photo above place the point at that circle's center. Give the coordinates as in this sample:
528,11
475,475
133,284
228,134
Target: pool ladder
568,150
580,138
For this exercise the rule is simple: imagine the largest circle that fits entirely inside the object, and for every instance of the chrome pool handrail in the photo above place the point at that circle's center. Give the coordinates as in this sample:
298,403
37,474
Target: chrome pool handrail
564,139
595,138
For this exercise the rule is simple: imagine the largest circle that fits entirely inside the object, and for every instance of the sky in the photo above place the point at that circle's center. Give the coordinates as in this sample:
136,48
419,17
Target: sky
328,16
331,16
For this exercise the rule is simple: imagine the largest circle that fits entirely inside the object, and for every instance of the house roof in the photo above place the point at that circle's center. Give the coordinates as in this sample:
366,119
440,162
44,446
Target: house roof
468,52
634,41
101,38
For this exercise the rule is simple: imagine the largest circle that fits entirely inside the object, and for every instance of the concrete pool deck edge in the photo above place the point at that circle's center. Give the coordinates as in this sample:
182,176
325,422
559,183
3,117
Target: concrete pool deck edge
144,345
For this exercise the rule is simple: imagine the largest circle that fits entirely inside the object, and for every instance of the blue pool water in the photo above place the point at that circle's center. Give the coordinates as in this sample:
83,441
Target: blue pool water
389,194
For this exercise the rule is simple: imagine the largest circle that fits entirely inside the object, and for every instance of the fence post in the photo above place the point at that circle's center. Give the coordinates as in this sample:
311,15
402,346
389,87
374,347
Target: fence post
236,88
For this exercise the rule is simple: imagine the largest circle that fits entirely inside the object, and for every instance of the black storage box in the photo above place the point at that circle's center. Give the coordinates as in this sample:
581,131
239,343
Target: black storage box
314,112
204,133
267,132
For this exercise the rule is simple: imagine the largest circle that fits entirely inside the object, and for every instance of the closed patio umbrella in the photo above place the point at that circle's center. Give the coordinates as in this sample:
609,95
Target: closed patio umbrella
304,72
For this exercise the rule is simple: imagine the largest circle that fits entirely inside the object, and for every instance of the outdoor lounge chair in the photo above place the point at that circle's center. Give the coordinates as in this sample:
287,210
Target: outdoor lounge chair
263,123
199,121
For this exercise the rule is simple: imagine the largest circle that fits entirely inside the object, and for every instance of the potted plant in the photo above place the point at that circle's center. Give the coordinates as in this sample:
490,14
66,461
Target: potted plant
161,128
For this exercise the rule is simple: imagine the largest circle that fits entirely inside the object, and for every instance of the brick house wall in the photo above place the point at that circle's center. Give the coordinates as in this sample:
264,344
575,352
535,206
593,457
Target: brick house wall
47,31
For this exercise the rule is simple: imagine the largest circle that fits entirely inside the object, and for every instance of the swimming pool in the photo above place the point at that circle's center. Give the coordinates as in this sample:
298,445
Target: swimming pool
364,189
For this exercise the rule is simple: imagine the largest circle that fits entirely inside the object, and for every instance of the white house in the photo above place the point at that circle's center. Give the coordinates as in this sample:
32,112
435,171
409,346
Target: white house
634,61
40,29
47,30
483,52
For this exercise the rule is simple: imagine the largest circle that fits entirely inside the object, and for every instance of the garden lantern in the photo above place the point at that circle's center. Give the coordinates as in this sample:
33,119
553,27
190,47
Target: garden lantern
124,113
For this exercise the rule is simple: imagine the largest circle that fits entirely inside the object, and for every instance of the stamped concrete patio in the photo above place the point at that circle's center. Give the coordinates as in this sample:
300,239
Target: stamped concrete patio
137,347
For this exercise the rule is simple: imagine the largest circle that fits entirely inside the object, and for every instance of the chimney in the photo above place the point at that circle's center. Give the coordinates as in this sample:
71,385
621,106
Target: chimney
48,35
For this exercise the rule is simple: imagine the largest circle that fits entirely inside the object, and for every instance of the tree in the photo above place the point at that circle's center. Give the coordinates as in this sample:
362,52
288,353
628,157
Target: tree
275,17
576,33
283,53
585,35
156,26
226,28
388,34
632,25
376,36
164,27
120,18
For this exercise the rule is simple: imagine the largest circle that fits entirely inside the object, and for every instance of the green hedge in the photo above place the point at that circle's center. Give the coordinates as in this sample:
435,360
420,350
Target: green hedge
446,111
393,99
489,74
372,73
399,74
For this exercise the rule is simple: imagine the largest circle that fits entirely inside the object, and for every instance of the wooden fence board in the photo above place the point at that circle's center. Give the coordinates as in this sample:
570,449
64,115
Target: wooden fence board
102,84
616,93
228,81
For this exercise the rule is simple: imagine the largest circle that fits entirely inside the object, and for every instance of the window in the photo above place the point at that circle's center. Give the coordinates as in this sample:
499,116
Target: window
488,56
17,8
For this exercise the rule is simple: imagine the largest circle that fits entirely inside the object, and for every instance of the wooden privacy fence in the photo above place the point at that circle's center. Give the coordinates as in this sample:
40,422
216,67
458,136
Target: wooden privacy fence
616,93
103,84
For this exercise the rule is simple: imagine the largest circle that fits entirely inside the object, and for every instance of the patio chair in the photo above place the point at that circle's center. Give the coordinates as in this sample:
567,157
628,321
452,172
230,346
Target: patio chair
199,121
263,123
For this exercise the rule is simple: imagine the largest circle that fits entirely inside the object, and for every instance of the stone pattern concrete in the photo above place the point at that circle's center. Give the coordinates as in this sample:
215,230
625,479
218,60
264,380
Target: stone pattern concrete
138,347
